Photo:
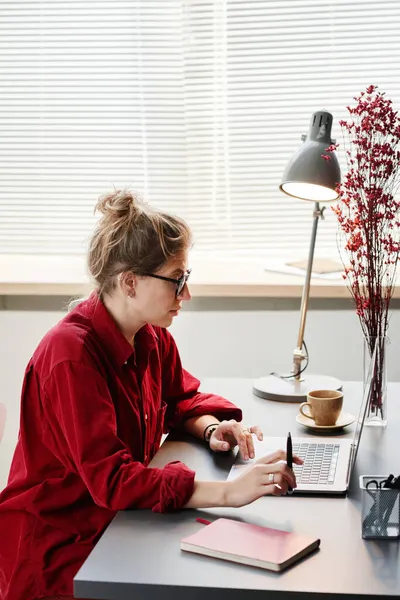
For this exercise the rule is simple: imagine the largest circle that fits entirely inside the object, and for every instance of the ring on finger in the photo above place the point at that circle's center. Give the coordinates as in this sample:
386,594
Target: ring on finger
271,478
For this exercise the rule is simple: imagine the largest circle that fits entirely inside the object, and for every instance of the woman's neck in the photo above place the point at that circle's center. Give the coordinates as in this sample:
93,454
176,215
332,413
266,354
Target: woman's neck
118,307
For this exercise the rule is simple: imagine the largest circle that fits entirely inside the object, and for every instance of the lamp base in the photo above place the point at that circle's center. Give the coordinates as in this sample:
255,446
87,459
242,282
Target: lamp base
290,390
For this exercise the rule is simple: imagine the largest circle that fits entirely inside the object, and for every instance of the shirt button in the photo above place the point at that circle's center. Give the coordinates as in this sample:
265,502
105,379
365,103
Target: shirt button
145,417
145,457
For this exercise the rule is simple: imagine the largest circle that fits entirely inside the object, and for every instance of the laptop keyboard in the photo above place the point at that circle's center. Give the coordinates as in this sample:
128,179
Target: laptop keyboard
320,462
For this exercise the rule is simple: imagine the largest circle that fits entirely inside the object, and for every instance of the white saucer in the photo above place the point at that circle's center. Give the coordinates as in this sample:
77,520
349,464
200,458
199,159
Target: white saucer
344,420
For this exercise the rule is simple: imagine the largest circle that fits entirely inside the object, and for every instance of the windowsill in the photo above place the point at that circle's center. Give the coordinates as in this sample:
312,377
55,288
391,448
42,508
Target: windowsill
23,275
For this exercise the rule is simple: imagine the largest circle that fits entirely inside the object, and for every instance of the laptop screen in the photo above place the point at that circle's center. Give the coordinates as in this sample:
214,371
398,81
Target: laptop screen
363,410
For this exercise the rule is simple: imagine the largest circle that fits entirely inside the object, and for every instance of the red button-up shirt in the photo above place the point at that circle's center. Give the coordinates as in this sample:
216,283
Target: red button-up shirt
93,410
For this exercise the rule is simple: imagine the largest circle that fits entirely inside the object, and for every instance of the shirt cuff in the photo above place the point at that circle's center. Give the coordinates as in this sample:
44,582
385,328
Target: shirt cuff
177,486
203,404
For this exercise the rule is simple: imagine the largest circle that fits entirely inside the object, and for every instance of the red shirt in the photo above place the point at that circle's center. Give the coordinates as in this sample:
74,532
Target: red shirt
93,410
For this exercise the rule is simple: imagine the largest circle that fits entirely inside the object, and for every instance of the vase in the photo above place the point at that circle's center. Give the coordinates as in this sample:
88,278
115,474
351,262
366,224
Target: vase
376,415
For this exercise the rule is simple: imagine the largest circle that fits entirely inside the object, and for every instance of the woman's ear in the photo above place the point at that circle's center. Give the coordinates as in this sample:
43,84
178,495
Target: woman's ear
127,282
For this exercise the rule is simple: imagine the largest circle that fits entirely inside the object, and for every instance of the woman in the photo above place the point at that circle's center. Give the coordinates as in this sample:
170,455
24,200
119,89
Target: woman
99,391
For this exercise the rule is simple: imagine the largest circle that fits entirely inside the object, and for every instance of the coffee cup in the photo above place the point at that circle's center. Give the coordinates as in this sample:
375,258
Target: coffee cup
322,406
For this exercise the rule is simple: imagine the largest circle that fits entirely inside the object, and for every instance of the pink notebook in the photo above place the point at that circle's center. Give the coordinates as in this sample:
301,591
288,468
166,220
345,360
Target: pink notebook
248,544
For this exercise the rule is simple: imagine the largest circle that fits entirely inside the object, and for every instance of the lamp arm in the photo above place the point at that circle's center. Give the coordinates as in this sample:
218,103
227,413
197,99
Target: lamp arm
299,355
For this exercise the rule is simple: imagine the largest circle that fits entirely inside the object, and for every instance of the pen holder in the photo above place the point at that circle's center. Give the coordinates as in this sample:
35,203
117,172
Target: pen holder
380,509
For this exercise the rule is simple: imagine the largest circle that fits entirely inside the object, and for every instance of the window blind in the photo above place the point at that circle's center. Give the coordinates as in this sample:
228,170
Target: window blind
196,104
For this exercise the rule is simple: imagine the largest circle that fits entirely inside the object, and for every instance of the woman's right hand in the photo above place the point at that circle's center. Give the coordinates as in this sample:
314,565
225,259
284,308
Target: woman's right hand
255,482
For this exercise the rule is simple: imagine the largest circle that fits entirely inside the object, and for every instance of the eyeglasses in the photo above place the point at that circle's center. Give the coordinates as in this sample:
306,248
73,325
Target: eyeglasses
180,283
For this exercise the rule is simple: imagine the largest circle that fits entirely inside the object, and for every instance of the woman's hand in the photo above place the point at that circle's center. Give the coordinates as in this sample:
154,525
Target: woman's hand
231,433
268,476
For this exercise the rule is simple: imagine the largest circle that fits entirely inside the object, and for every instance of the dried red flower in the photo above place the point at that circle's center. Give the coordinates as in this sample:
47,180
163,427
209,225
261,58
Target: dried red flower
368,211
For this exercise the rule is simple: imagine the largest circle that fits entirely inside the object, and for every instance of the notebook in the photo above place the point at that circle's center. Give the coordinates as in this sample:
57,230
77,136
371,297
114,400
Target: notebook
320,265
248,544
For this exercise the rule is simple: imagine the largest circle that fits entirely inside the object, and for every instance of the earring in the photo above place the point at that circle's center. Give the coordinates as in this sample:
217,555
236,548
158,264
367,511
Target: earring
131,294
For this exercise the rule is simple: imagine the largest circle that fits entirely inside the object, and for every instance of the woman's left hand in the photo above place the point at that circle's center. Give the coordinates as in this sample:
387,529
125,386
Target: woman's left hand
231,433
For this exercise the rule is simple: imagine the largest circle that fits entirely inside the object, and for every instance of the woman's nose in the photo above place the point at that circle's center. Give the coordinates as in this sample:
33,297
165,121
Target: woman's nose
185,293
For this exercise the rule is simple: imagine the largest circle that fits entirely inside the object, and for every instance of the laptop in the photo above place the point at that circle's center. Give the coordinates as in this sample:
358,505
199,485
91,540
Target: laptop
328,462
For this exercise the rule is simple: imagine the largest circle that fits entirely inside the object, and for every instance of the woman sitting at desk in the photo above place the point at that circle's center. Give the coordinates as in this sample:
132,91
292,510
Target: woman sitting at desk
99,391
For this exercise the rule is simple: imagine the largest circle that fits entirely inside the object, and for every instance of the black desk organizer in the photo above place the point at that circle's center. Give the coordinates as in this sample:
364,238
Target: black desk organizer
380,509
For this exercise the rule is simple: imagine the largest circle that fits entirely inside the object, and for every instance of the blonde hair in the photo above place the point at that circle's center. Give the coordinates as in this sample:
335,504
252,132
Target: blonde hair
132,236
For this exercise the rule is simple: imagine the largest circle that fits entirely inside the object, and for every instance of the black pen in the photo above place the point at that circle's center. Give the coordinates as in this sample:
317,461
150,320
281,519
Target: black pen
289,457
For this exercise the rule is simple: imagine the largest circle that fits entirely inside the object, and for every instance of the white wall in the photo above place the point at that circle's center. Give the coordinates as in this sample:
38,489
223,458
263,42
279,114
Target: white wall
236,343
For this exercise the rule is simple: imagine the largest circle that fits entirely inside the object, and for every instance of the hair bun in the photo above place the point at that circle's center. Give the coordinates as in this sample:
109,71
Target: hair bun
120,204
132,236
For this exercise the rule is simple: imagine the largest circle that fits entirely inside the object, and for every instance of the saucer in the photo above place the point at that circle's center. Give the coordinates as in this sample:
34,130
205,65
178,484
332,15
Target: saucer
344,420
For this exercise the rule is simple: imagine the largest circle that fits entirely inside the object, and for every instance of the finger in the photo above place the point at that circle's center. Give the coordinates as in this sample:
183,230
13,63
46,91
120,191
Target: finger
257,431
279,455
274,490
288,475
277,491
280,471
273,457
279,479
231,430
241,439
283,484
224,435
219,445
250,444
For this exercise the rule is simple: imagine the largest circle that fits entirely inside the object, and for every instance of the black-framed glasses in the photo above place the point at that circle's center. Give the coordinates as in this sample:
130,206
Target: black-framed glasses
180,283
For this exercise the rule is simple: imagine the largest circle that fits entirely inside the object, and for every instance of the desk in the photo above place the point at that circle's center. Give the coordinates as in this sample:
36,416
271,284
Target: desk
139,555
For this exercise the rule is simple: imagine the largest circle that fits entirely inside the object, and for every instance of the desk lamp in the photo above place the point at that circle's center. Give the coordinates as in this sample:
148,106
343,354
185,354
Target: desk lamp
310,177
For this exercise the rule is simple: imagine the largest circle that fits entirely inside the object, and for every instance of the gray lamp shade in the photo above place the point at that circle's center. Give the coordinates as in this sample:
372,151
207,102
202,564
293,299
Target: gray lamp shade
308,176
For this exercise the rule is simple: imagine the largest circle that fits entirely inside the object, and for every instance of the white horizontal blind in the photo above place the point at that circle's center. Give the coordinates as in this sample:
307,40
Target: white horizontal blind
91,98
198,104
255,72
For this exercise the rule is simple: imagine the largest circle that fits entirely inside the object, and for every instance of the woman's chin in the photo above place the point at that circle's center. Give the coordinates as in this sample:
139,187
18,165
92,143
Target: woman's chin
165,321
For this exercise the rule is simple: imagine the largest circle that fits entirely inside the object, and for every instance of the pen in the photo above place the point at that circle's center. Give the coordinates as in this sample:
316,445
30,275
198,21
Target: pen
289,456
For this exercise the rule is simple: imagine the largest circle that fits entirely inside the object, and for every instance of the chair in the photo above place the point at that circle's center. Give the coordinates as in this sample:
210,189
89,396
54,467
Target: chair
2,419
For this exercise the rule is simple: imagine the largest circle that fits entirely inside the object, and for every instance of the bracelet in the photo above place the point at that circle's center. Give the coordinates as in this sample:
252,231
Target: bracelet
207,434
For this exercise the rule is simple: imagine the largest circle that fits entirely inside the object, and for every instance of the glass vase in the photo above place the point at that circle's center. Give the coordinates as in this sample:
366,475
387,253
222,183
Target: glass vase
376,415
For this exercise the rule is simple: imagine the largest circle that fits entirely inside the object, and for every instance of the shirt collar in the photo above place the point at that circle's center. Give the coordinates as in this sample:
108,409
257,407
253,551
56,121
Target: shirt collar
115,343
